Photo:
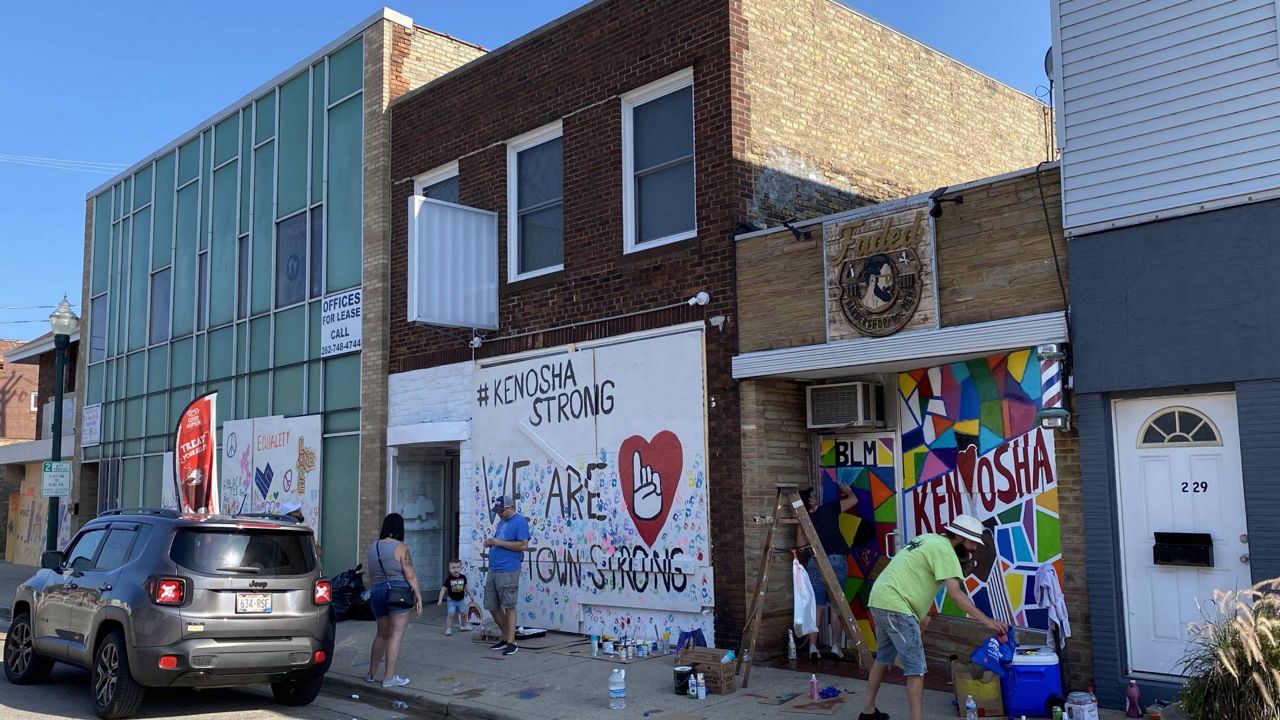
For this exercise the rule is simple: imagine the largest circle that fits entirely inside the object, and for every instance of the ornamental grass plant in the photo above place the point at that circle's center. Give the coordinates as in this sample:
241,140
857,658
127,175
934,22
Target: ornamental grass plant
1233,661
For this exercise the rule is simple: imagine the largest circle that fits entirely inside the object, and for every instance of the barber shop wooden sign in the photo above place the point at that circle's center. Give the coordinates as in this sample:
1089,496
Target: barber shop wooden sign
880,274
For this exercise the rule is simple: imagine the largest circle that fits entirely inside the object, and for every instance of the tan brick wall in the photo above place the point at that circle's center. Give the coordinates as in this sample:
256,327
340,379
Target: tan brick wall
396,59
845,111
779,304
1013,273
776,448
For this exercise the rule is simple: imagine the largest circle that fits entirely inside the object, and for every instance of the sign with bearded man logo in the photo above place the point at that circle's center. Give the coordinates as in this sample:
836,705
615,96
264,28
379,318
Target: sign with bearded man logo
877,270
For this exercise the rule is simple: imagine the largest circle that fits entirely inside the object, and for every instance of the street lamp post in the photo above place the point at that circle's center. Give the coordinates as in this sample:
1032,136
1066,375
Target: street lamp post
64,322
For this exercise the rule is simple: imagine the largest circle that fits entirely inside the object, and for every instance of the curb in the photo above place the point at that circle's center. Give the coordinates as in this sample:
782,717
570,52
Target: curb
419,700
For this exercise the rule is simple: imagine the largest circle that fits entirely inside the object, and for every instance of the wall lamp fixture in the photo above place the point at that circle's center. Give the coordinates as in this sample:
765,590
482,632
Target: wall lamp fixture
797,232
936,200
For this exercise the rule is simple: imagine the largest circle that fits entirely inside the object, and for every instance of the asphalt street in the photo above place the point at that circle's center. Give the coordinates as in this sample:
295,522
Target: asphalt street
66,695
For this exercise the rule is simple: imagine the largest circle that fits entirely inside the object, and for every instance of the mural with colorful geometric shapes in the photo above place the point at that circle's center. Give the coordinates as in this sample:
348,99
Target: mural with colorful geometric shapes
971,445
865,464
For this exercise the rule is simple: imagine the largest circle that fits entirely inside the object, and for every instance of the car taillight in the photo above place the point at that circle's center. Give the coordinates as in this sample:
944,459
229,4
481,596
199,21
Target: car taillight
319,656
323,592
168,591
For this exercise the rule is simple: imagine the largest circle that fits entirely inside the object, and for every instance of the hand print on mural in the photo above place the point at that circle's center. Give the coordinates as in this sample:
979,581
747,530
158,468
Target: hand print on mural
649,479
605,451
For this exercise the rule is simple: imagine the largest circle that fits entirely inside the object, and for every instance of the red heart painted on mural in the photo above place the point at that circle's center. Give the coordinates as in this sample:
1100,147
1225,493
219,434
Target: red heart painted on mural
649,471
966,461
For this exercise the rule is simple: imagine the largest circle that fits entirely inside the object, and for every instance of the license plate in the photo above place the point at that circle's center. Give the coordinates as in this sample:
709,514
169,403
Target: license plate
253,603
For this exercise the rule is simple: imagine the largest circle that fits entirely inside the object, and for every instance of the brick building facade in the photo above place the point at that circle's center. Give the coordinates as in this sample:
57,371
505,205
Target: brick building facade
18,408
764,146
998,294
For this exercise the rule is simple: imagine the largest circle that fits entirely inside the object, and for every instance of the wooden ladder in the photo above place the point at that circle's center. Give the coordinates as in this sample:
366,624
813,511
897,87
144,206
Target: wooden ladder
789,495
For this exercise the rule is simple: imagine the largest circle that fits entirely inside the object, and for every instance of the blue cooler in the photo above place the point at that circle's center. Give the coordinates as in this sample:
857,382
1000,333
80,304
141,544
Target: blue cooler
1032,680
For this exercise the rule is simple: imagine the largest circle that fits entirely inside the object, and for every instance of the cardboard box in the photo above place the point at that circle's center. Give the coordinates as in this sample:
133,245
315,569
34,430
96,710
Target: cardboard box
718,675
984,685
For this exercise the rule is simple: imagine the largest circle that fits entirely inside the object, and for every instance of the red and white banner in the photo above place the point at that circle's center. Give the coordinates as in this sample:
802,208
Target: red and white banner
195,457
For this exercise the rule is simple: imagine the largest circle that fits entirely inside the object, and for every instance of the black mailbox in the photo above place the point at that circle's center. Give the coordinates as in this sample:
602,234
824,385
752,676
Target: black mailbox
1186,549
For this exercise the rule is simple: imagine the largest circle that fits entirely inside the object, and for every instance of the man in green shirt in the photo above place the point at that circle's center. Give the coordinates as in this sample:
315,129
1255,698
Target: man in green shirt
900,602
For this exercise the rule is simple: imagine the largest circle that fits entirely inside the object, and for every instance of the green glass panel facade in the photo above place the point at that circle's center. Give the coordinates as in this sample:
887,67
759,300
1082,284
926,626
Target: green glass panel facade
290,336
221,359
226,139
222,270
265,123
315,383
158,368
342,382
184,261
152,477
294,145
346,70
162,236
260,343
94,386
131,482
181,362
142,187
338,532
134,411
136,377
242,347
259,394
189,160
100,275
317,132
246,166
313,313
288,394
206,187
139,279
344,421
158,414
178,401
342,246
263,227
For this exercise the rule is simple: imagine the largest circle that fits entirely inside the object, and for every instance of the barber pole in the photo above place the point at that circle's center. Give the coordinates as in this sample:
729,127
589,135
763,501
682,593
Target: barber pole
1053,414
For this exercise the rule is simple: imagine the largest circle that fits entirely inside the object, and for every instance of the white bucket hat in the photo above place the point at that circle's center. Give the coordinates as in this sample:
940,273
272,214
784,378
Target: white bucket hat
967,527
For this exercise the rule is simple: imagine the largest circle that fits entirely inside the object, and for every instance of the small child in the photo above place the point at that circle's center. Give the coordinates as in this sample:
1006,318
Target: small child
456,588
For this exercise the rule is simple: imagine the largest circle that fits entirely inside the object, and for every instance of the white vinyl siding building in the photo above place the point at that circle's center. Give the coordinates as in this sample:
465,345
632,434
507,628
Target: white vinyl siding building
1165,107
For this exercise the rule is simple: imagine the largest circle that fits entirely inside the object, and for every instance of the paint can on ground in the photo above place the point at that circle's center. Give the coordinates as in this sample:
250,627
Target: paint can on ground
682,673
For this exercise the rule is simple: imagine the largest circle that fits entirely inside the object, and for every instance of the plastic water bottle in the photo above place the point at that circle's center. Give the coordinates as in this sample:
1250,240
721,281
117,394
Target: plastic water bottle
970,709
618,689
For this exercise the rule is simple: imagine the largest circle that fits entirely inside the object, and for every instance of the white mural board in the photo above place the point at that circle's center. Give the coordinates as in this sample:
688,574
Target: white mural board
605,449
270,461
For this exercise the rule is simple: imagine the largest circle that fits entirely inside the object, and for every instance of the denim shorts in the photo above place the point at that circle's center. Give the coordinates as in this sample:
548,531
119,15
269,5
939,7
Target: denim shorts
455,607
840,564
898,638
378,598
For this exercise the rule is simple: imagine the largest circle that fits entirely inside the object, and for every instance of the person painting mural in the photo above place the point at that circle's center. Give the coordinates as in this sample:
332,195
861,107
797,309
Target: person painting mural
826,521
901,599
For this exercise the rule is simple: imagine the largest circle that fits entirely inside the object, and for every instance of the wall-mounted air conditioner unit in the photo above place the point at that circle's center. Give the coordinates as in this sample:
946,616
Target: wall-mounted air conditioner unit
844,405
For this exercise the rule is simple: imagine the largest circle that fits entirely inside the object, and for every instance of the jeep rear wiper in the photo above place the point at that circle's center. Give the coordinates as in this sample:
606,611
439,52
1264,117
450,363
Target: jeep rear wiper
241,569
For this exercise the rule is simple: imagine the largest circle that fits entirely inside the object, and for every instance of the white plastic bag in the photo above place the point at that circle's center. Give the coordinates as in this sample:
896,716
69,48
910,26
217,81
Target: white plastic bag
805,614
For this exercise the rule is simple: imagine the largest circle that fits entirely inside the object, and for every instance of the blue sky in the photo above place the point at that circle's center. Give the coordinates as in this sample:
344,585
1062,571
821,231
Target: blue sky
118,80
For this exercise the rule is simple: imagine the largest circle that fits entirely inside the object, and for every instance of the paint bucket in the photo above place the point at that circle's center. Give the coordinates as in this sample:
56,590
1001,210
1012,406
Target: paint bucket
682,673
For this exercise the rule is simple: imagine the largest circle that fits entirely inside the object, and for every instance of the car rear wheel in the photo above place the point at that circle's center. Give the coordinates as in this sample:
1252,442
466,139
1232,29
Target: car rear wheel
115,693
296,693
22,666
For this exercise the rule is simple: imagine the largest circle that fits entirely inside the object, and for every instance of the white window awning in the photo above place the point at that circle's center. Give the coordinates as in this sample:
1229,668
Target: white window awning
453,264
904,351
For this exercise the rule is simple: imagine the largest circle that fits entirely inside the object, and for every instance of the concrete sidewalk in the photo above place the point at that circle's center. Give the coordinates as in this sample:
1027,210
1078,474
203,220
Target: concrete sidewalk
459,677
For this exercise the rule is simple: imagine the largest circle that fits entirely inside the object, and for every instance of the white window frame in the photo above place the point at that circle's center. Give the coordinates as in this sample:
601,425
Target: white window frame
639,96
533,138
431,177
35,401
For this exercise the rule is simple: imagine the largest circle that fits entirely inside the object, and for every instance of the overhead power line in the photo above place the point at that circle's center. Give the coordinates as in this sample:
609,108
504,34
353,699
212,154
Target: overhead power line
93,166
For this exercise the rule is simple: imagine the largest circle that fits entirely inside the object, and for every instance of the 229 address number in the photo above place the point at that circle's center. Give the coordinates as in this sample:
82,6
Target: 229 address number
1195,487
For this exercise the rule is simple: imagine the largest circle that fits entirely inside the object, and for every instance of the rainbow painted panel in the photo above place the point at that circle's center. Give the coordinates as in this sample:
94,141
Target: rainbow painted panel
865,464
971,444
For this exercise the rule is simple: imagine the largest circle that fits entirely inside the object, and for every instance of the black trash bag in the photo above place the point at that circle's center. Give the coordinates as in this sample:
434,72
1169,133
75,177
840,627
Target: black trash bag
350,600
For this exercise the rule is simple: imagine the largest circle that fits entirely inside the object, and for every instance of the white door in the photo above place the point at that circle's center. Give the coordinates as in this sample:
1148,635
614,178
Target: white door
421,497
1178,470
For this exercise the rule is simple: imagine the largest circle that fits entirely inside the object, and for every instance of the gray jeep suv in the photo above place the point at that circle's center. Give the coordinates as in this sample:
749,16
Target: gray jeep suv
148,598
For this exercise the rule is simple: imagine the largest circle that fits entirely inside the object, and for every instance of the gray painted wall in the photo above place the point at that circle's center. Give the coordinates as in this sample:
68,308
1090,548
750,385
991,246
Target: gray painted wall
1171,307
1258,406
1187,301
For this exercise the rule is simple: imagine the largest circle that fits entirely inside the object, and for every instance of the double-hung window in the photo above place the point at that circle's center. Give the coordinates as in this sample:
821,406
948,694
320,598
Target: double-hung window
439,184
535,203
657,163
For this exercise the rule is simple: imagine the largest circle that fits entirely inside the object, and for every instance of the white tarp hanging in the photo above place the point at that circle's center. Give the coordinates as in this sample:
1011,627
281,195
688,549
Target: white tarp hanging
453,264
